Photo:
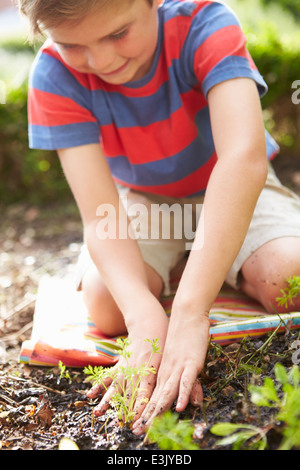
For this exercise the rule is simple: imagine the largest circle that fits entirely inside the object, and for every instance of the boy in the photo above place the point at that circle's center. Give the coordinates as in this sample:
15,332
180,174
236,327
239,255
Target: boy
158,103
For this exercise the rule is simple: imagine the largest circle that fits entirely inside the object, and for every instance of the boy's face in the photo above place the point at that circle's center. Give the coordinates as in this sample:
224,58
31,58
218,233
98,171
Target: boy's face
117,44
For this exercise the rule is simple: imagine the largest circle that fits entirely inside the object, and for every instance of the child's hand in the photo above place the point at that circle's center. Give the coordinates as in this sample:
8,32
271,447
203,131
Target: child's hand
141,351
183,359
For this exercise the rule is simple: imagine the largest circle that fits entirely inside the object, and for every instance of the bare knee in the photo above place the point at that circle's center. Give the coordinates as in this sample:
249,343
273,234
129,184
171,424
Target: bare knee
265,273
101,306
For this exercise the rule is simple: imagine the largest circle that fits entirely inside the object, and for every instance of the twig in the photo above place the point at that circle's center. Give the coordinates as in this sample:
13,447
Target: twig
266,343
59,392
12,336
9,400
18,309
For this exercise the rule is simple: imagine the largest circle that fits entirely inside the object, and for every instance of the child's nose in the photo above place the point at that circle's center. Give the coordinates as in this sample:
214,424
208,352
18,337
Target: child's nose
101,58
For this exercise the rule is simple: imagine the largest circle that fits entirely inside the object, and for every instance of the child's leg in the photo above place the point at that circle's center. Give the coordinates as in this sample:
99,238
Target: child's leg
100,304
265,272
271,252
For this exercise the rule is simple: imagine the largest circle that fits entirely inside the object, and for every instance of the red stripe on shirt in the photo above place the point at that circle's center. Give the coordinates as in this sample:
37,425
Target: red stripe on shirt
176,30
56,110
191,184
171,135
228,41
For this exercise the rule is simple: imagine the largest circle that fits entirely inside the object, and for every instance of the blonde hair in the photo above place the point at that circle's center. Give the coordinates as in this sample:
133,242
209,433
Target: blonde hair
43,14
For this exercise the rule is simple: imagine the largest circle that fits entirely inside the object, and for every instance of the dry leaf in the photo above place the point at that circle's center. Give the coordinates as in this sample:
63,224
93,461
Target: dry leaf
44,413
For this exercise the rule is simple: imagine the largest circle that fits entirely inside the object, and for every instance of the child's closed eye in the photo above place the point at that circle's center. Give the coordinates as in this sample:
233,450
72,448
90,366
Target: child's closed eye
69,46
120,35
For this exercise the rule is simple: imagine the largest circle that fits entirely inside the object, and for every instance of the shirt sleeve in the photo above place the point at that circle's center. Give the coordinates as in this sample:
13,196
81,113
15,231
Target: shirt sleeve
217,48
59,106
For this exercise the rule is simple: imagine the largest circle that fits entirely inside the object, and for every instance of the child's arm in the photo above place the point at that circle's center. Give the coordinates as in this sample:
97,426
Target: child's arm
230,199
119,261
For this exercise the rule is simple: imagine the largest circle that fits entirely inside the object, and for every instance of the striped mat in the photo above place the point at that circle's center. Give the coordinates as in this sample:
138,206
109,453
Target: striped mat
62,330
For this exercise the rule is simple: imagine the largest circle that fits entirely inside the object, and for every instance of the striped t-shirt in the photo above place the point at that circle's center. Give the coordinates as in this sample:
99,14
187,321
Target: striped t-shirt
156,131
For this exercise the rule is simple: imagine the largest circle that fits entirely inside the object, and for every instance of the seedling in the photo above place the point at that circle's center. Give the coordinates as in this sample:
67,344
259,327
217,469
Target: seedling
288,405
170,433
126,380
239,434
290,293
284,398
63,372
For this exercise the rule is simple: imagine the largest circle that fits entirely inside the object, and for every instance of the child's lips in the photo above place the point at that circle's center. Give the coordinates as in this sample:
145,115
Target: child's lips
119,70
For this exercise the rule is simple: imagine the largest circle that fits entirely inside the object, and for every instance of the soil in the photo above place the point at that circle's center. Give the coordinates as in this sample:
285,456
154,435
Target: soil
39,407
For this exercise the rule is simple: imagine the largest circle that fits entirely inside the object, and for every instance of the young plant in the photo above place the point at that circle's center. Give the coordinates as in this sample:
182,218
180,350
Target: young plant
288,405
238,435
290,293
169,433
124,378
284,398
63,372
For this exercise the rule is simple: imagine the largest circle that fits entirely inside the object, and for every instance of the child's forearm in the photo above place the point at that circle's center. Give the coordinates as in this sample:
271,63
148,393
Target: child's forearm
122,269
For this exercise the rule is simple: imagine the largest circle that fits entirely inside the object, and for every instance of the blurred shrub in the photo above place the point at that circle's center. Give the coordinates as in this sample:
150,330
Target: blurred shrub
29,175
36,176
277,58
292,6
26,175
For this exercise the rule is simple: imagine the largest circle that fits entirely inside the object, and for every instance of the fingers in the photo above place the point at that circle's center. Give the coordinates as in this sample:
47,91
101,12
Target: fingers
107,386
197,394
100,387
145,391
163,397
190,390
117,386
95,391
137,393
104,404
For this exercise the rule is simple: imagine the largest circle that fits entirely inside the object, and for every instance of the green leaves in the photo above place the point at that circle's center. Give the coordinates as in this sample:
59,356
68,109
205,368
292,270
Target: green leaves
288,405
172,434
290,293
238,434
283,397
265,395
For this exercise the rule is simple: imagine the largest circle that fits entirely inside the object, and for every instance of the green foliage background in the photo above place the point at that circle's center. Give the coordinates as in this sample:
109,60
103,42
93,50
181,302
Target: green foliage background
26,175
273,41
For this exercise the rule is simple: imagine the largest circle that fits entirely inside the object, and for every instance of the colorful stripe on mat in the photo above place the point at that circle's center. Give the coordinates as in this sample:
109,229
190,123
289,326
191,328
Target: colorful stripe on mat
78,343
